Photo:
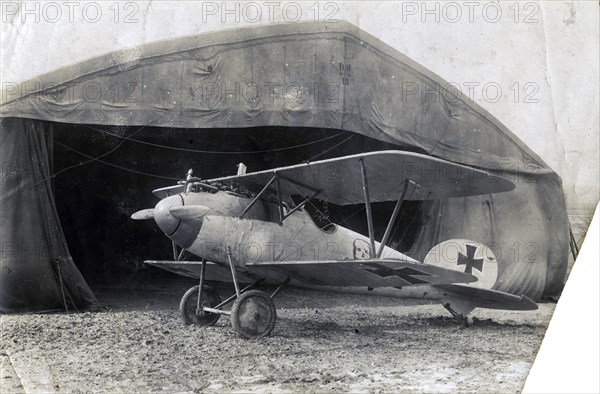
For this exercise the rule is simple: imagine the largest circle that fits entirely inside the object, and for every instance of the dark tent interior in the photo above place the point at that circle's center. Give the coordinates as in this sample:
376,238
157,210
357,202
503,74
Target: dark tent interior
105,192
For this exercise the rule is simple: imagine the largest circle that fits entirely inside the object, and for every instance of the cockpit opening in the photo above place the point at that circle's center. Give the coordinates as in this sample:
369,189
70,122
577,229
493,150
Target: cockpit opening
319,212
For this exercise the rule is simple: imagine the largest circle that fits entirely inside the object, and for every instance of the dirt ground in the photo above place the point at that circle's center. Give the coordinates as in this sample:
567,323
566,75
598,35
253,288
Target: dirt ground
322,342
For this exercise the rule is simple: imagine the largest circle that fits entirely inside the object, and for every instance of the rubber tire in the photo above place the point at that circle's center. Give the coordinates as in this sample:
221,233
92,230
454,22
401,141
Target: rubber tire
253,315
187,306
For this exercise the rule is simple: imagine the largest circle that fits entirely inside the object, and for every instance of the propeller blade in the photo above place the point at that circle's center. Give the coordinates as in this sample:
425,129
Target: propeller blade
144,214
189,211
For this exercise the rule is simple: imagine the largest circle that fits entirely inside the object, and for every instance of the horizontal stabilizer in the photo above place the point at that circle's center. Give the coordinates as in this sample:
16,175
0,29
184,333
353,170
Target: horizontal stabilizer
488,298
144,214
189,212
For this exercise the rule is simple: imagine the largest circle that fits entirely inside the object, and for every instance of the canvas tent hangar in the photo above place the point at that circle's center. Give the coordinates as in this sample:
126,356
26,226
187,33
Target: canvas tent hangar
304,75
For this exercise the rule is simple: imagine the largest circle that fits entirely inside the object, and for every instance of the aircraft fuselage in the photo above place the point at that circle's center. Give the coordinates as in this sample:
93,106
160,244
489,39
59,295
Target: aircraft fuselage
258,236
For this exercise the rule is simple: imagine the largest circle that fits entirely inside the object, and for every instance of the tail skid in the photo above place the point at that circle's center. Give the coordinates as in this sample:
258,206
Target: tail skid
461,318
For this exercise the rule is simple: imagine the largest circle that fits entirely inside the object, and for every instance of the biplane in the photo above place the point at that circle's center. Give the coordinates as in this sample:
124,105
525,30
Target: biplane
254,228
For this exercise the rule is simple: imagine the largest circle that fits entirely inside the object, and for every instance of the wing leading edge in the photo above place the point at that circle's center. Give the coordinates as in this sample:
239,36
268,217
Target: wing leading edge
339,179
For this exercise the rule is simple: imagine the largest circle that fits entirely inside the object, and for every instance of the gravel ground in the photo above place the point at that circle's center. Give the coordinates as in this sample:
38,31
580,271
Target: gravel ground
322,342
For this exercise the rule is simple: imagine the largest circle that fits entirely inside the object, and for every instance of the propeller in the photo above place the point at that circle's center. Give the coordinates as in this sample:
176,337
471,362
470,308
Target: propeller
189,211
144,214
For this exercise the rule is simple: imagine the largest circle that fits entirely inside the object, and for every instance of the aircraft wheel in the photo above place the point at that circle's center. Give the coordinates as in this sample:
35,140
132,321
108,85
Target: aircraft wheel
253,314
188,304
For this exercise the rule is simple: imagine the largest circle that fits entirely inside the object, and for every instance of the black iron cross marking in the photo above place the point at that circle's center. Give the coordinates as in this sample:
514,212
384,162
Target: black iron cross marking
406,273
469,260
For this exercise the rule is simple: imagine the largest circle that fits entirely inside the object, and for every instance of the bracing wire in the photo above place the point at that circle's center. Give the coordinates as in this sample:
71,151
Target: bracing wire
333,147
111,164
212,151
192,93
97,158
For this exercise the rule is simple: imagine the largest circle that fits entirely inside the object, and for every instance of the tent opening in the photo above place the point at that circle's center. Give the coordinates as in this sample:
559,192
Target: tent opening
105,173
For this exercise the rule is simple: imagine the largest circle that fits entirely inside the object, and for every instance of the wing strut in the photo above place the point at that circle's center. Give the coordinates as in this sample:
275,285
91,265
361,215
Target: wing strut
297,207
231,265
277,180
279,204
264,189
368,206
175,252
388,230
293,183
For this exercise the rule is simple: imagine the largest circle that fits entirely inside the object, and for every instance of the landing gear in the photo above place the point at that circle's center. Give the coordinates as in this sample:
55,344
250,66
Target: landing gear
192,306
253,313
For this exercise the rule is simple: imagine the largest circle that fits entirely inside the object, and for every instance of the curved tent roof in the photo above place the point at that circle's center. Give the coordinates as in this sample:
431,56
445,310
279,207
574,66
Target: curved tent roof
305,74
331,76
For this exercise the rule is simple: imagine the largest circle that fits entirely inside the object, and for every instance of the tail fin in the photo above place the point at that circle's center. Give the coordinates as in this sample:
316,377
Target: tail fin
479,260
466,256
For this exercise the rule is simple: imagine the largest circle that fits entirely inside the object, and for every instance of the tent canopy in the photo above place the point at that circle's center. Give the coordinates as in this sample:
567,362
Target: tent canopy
317,75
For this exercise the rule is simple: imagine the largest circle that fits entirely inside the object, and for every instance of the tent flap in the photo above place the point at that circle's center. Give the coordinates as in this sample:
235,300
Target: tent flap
35,258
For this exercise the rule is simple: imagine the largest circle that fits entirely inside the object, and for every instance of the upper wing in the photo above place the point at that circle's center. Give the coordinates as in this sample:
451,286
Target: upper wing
165,192
370,273
340,180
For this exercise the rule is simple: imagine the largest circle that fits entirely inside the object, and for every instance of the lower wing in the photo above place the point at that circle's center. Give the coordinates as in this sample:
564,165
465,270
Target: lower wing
368,273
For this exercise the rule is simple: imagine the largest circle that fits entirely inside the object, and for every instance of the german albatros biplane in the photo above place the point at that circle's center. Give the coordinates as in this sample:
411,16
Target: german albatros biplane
254,228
